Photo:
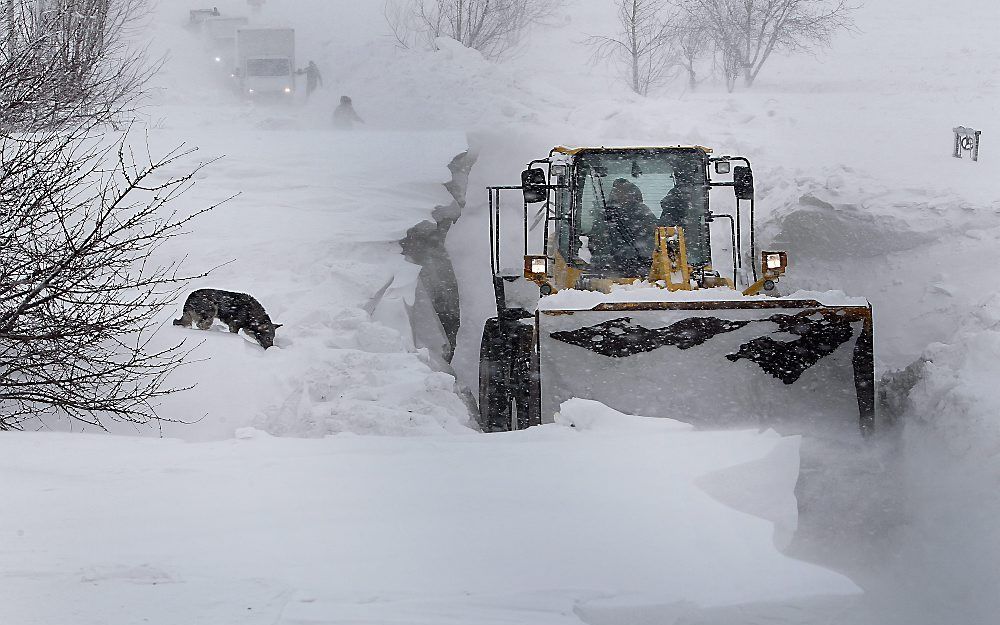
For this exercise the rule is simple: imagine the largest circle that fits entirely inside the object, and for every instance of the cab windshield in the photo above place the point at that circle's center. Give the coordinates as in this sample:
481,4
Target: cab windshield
621,197
269,67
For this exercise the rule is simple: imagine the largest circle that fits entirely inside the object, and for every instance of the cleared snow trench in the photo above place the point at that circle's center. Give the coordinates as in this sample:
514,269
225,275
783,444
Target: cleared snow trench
315,236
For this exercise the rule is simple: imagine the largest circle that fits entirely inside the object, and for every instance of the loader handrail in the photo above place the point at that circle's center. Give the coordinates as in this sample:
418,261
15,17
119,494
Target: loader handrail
739,218
494,212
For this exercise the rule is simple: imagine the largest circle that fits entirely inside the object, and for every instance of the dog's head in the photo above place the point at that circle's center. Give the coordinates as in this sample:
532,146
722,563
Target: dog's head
263,332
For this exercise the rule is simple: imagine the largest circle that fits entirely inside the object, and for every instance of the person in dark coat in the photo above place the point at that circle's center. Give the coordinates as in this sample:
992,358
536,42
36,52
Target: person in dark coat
676,204
674,207
622,242
344,115
313,78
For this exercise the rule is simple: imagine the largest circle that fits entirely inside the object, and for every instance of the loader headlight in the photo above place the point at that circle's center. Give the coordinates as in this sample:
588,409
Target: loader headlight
218,59
773,264
288,89
536,269
558,170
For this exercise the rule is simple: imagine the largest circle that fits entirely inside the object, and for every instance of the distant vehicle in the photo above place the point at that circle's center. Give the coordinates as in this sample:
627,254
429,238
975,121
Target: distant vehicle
265,61
196,17
219,34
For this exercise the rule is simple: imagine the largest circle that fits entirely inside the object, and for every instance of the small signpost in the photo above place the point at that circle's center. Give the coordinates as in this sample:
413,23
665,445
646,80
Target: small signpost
966,141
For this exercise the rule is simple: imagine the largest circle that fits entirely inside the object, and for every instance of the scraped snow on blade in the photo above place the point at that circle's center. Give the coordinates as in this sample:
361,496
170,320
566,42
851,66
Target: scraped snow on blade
713,364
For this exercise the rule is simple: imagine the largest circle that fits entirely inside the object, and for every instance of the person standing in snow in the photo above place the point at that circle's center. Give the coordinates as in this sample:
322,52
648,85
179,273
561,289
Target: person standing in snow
313,78
344,116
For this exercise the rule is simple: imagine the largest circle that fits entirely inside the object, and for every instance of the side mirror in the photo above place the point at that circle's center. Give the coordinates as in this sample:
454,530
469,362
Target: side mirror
743,182
534,185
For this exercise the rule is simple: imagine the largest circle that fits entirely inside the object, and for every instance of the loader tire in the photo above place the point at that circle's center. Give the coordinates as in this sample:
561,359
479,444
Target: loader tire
522,380
506,379
493,374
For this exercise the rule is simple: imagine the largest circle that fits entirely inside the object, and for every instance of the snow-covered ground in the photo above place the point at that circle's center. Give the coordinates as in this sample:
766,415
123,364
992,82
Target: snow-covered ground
612,517
616,519
313,235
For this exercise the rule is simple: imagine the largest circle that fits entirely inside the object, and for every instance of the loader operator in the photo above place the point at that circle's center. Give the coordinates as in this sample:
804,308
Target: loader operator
622,242
676,202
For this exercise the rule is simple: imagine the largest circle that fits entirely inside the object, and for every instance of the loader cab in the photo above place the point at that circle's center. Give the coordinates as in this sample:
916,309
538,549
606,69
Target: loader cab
570,321
611,201
607,210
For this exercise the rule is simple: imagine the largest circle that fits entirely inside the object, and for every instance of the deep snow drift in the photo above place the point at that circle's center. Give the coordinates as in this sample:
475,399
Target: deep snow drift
854,178
606,517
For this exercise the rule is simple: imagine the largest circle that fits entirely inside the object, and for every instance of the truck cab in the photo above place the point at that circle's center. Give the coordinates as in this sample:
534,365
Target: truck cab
219,36
266,62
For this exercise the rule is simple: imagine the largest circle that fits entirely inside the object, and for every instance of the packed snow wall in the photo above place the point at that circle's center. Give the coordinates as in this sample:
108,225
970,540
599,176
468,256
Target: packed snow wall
436,312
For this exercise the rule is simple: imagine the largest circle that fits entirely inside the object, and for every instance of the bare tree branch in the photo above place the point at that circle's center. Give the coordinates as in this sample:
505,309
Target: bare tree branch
81,219
746,32
78,285
69,60
493,27
642,48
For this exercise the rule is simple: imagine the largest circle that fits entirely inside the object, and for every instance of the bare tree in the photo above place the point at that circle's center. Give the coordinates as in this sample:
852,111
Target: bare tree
81,219
493,27
746,32
728,62
642,48
691,40
69,60
78,285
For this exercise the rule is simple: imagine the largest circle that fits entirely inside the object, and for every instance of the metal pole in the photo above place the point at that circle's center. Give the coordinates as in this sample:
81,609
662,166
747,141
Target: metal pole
493,267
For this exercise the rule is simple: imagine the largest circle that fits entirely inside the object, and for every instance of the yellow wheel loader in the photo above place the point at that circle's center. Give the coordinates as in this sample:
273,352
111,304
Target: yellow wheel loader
621,282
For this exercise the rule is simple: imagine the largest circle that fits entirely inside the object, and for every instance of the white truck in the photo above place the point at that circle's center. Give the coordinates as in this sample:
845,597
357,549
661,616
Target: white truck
219,34
265,60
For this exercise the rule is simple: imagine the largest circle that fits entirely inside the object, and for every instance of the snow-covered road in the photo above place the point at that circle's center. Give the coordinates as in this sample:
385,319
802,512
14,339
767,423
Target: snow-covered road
614,516
613,520
313,234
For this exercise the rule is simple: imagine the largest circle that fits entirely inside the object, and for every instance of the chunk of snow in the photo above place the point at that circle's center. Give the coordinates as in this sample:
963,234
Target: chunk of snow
586,414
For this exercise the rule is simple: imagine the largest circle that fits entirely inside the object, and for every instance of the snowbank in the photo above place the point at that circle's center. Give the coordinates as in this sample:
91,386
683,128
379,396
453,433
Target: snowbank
109,531
952,470
313,234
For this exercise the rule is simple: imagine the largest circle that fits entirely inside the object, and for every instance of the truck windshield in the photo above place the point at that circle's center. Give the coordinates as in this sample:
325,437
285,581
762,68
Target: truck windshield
268,67
622,196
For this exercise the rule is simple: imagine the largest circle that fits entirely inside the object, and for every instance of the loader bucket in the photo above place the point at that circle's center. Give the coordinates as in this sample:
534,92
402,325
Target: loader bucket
718,363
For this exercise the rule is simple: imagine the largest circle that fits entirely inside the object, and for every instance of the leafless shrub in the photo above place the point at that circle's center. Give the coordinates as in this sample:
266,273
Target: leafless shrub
691,41
80,222
746,32
64,61
81,218
642,47
493,27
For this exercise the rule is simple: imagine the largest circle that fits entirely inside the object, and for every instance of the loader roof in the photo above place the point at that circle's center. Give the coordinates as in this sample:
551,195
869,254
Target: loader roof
572,151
